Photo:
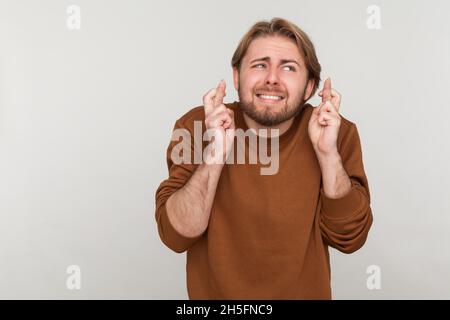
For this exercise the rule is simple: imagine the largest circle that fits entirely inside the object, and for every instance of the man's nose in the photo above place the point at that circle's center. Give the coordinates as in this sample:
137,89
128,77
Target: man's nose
272,76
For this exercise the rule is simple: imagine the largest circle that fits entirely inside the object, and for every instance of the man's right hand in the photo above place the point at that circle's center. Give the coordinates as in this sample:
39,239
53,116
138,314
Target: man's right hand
219,120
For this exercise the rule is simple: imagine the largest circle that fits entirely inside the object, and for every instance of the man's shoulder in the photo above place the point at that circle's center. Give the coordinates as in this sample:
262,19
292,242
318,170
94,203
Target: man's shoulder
348,130
188,118
346,123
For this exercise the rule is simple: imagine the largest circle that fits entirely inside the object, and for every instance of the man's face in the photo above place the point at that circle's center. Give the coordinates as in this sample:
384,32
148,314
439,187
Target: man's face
273,80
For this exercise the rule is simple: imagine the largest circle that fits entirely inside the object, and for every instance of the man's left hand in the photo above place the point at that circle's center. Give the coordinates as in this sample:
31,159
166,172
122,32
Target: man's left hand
325,121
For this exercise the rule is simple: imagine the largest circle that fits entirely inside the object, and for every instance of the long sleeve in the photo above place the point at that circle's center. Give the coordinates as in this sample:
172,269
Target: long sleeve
179,174
345,222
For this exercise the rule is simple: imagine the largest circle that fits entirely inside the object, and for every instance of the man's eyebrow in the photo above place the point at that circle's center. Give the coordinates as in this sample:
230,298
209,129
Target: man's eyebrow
260,59
283,61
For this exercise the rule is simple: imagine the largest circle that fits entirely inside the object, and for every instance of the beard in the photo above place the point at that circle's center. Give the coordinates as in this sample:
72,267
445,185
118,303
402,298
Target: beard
271,115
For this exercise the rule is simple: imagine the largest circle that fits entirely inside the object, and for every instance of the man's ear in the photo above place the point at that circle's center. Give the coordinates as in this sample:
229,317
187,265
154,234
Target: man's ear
236,78
309,89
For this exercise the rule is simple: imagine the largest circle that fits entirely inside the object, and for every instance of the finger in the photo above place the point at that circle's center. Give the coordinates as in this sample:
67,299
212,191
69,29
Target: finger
335,102
328,114
336,99
231,113
220,93
218,109
326,91
329,107
208,102
324,118
318,109
226,120
222,119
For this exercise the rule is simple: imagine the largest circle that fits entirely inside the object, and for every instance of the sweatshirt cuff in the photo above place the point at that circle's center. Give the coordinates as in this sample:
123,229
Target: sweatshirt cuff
171,237
343,207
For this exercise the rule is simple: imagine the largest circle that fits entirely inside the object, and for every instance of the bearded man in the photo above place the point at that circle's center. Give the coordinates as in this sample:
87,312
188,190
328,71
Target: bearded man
254,236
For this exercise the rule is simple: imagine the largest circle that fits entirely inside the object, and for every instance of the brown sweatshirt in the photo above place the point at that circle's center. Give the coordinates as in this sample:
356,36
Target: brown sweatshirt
268,235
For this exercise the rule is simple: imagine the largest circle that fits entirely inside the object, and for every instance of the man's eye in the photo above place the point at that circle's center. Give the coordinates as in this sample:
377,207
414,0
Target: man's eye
291,68
259,64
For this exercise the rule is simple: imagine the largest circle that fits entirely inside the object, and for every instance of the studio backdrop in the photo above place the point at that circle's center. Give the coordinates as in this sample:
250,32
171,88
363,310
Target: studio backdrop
90,92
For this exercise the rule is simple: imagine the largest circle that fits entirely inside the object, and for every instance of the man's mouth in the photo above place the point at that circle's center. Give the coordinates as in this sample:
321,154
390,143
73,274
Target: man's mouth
269,97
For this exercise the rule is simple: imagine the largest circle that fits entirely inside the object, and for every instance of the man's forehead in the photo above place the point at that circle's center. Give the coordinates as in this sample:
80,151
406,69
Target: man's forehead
274,47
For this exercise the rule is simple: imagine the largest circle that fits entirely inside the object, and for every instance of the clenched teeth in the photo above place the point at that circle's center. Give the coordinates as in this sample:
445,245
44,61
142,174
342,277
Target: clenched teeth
270,97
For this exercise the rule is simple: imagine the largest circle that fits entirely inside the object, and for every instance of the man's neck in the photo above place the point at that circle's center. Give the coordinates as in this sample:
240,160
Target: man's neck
282,127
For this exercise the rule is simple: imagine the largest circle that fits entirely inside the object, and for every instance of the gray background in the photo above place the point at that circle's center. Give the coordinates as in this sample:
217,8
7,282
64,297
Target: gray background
86,116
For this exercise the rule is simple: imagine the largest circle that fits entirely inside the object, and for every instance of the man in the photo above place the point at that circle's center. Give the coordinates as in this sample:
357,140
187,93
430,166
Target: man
254,236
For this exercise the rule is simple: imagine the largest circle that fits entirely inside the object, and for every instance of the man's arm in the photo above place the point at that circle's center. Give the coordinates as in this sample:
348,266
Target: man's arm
345,220
335,180
189,208
345,213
